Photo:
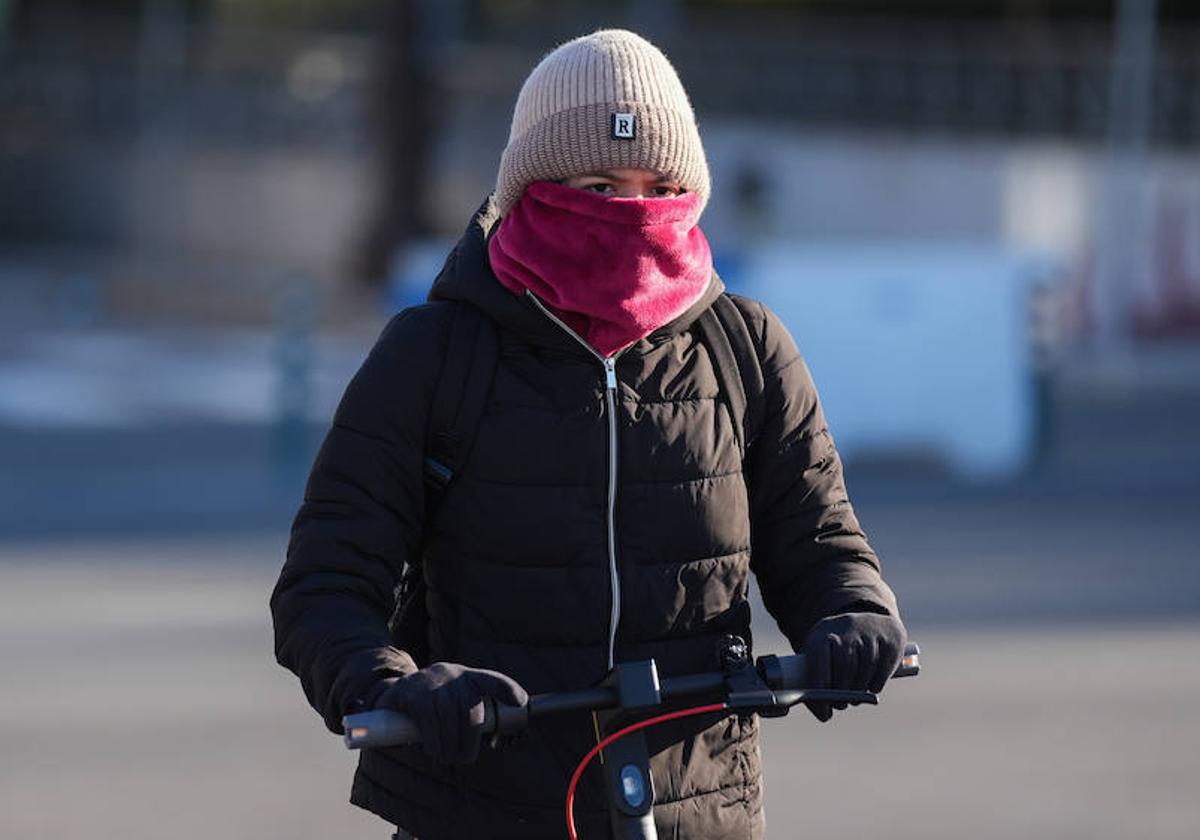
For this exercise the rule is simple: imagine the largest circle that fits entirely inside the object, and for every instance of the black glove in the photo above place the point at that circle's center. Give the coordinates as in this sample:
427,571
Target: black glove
445,701
856,651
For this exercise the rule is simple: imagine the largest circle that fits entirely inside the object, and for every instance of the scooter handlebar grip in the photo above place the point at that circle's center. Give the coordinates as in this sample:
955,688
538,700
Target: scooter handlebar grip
789,672
379,728
390,728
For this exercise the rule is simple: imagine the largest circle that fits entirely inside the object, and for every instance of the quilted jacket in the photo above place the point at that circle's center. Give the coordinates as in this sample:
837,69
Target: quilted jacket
600,517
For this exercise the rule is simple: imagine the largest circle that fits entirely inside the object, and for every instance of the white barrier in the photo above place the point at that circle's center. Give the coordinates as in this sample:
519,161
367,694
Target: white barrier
915,348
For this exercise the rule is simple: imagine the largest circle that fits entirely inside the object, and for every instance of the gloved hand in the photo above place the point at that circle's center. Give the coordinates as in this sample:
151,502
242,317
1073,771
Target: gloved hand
856,651
445,701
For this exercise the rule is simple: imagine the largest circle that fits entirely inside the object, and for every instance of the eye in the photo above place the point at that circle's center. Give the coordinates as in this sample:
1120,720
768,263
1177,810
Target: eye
665,190
602,187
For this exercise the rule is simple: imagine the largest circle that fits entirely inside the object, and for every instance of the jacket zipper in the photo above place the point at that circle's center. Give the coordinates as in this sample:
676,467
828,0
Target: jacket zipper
610,393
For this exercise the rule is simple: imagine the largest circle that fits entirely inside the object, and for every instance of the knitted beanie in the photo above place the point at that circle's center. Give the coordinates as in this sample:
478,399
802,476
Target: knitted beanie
607,100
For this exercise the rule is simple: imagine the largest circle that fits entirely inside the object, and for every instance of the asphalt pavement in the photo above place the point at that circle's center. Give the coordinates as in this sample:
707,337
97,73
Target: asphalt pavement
141,701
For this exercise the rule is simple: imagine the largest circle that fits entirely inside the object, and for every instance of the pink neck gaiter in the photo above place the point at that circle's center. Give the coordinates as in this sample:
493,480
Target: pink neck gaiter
613,269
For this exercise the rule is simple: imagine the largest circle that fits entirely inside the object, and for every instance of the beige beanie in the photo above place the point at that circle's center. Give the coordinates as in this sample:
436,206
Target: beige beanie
607,100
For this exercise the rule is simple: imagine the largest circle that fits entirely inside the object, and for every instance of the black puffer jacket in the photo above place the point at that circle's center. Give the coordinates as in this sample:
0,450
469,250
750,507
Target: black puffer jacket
518,562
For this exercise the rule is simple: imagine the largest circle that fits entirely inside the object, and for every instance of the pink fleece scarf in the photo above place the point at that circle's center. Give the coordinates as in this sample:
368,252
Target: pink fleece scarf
613,269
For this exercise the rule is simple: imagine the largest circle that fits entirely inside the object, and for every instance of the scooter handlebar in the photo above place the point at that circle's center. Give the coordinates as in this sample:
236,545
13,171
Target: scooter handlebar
390,728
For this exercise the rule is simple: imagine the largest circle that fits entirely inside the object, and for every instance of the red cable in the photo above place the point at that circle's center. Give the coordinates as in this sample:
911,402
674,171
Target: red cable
620,733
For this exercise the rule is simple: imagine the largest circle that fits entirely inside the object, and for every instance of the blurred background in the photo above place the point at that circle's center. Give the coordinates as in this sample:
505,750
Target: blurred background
980,218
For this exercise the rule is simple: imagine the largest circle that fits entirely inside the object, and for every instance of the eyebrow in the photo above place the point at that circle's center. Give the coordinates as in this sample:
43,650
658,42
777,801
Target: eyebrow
612,176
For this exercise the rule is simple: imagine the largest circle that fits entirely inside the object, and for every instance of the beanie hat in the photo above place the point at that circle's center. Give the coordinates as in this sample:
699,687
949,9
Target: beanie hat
607,100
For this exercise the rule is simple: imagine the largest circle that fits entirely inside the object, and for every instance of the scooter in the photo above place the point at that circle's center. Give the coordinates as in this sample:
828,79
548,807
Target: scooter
769,686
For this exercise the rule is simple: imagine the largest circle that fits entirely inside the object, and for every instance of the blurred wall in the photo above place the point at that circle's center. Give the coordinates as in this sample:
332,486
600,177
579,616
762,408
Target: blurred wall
178,145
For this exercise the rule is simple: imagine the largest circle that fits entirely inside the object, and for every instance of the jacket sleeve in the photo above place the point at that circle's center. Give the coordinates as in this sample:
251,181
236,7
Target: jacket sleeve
360,519
809,554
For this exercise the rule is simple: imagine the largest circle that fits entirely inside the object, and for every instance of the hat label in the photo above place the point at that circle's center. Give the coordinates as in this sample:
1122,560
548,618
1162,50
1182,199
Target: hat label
624,127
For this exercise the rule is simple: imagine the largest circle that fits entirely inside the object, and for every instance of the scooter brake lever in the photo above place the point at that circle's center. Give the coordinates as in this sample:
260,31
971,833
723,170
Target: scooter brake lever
778,703
828,695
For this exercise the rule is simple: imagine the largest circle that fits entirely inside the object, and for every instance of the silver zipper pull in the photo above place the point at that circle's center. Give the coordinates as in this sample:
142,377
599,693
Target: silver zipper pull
610,373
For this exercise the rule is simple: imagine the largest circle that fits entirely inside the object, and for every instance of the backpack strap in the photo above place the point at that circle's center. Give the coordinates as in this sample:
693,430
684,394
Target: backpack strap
460,398
737,366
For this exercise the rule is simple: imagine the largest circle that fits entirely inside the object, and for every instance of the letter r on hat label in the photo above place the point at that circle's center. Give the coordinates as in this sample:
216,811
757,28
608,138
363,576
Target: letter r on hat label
624,127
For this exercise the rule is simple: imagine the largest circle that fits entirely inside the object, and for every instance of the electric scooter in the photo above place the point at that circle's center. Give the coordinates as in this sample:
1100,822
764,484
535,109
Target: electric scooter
769,687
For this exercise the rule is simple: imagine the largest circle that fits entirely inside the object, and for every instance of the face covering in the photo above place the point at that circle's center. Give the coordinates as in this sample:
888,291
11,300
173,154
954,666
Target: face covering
613,269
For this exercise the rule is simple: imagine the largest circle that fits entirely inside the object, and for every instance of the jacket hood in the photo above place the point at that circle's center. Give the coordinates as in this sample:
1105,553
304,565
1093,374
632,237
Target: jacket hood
467,276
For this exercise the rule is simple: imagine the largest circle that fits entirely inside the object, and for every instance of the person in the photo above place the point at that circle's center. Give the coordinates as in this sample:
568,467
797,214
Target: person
608,509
